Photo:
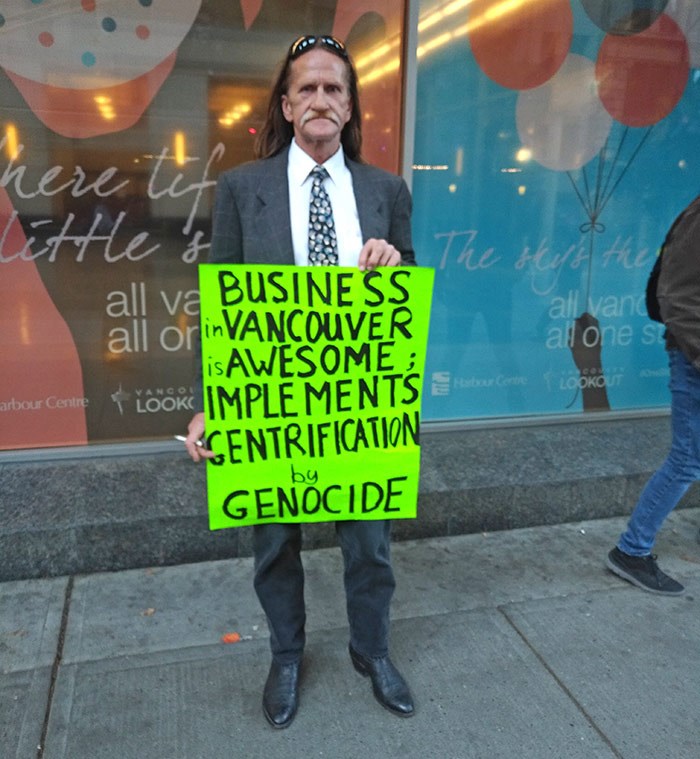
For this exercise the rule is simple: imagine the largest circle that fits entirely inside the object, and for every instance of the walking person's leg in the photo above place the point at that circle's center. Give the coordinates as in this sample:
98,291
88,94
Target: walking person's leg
632,558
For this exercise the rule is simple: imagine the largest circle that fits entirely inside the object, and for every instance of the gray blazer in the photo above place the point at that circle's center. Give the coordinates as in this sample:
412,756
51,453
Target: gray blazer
251,219
251,212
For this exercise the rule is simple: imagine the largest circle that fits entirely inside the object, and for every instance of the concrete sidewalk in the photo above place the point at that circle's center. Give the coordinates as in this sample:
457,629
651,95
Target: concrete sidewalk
516,644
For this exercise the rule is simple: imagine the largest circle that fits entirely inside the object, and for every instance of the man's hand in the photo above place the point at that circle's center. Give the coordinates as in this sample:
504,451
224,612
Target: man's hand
378,253
195,432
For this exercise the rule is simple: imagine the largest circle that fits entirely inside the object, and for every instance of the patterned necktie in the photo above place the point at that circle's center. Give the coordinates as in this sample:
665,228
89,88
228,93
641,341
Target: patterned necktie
323,245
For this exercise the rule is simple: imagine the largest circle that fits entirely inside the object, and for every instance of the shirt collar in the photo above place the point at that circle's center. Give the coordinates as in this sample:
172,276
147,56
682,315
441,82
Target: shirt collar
300,164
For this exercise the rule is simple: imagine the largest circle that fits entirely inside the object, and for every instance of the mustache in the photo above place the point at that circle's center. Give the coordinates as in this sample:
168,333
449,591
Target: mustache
311,115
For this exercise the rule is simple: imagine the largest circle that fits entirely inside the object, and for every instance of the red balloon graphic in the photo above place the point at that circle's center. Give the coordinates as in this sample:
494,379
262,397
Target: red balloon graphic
520,45
641,78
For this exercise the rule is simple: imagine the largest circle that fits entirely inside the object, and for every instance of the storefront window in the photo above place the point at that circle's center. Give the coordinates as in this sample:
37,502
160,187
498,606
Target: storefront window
556,141
117,119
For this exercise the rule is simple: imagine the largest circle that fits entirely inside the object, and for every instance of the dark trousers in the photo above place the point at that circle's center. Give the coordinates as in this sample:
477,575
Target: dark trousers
369,585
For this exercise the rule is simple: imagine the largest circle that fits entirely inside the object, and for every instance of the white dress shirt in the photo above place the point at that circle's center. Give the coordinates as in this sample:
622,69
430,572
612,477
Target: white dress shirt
342,196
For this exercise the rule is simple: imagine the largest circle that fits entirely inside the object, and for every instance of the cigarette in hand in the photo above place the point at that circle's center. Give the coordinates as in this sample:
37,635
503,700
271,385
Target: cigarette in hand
183,439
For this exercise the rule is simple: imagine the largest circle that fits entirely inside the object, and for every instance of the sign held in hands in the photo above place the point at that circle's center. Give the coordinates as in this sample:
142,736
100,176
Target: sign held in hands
312,389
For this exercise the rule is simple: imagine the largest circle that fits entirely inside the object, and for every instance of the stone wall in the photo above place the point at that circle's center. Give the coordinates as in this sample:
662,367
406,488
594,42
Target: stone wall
134,507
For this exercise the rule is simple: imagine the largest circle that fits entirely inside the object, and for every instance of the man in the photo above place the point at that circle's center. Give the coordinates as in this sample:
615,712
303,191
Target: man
678,293
265,212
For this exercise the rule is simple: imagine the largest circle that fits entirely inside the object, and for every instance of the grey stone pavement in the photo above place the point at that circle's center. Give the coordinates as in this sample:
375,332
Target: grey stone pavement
516,644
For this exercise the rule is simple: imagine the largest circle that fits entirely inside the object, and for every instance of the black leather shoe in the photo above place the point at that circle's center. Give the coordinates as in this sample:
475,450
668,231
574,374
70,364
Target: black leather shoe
389,687
281,694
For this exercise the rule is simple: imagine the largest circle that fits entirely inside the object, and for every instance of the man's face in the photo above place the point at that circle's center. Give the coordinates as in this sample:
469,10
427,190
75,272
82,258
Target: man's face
318,102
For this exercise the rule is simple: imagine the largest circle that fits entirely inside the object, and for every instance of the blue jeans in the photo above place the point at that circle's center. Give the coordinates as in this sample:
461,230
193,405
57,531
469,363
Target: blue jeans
681,468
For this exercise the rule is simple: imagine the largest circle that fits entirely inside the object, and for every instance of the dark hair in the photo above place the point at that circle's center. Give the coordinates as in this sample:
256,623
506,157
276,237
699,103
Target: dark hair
276,133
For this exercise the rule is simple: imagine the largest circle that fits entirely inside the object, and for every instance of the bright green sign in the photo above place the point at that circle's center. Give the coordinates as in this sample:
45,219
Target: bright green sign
312,384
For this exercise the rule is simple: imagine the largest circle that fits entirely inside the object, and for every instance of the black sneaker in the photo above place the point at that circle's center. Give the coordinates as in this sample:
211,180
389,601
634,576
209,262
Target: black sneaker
642,571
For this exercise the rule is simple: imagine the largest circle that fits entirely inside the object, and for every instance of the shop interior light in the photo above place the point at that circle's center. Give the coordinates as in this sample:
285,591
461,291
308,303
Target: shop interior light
179,148
234,114
385,59
459,161
442,13
444,38
105,107
378,72
25,331
11,141
489,15
363,61
496,11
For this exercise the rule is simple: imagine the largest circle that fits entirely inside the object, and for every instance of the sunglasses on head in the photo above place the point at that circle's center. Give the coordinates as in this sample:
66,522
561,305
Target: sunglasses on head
300,46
